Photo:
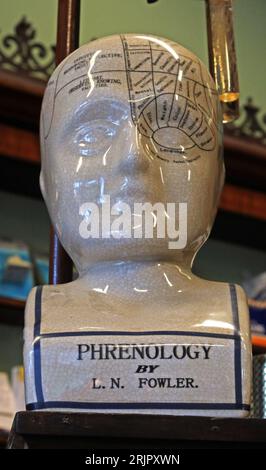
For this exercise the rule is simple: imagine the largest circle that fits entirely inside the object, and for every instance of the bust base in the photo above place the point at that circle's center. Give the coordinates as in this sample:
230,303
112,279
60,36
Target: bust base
161,371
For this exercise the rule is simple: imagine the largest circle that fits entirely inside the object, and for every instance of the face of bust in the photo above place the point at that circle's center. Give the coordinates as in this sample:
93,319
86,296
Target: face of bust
130,119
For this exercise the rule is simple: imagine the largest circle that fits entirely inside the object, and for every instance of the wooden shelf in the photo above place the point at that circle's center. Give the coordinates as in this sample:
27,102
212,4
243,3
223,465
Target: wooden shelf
245,162
259,343
19,144
12,303
20,98
3,439
12,311
35,429
244,201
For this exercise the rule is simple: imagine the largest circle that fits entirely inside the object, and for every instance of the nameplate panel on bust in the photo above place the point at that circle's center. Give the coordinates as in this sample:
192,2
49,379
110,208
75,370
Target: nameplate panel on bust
138,370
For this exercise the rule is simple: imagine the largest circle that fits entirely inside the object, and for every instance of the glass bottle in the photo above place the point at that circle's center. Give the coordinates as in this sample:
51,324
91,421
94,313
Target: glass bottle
222,55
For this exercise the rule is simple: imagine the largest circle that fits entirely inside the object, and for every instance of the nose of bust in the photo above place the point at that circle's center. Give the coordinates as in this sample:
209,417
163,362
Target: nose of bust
133,159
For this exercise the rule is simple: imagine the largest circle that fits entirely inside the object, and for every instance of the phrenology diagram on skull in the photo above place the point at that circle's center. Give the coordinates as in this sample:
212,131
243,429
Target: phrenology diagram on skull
167,89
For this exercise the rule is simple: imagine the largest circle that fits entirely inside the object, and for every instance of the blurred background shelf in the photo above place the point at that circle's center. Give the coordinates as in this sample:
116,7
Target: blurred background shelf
259,344
3,439
12,311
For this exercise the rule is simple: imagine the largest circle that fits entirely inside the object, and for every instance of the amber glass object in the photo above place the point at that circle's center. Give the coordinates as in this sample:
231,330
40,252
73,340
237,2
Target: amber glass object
222,56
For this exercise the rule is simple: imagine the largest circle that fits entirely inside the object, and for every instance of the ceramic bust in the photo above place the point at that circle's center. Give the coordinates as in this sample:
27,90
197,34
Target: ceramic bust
127,120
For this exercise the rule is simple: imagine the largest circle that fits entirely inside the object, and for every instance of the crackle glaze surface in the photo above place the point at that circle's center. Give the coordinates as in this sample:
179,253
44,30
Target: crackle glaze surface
135,117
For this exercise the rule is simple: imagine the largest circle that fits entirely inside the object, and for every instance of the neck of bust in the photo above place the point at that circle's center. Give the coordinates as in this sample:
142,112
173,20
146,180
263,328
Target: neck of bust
140,278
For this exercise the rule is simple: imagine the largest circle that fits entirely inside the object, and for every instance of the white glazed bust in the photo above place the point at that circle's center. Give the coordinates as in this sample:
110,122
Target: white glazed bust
134,119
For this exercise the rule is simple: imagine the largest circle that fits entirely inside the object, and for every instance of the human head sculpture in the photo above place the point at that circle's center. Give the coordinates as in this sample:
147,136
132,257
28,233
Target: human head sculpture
137,118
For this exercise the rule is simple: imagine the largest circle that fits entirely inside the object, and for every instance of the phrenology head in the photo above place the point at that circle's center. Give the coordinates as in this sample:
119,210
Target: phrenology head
130,119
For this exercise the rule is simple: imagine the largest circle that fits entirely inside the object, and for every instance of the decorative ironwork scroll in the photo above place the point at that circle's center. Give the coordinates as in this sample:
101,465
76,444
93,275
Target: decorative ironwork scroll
21,53
250,126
